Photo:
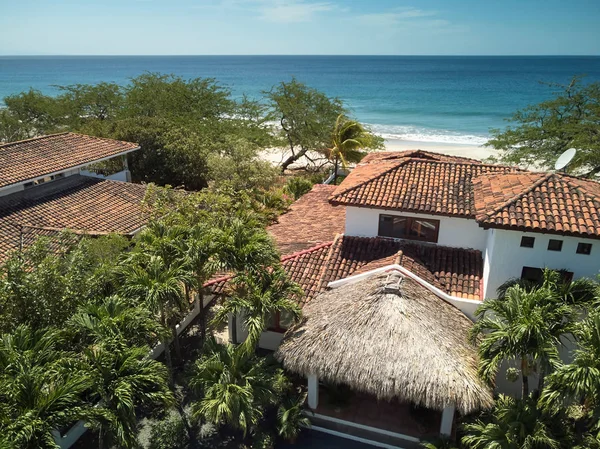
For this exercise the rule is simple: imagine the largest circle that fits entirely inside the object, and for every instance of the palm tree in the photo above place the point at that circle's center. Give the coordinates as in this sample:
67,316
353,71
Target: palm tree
115,319
124,378
161,287
232,385
525,326
580,292
258,297
517,424
348,138
578,383
291,418
41,388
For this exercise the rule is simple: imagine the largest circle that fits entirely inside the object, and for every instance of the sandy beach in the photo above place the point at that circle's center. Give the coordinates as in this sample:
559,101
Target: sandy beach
276,155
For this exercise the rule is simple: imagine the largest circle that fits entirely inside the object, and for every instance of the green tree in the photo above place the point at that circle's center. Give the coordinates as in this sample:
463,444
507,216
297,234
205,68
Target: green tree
540,133
349,143
258,297
517,424
525,326
41,388
291,418
577,384
232,385
115,320
160,285
305,116
124,378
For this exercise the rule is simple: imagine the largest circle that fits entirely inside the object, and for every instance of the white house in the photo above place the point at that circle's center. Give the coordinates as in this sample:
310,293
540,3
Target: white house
66,181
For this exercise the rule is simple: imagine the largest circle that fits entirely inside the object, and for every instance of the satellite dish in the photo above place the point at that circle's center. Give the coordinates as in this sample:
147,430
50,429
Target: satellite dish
564,159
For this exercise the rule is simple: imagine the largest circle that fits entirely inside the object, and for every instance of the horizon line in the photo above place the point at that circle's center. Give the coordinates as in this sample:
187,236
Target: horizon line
297,55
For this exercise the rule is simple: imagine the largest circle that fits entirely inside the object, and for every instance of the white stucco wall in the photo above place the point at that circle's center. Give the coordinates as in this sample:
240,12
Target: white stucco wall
507,258
454,232
268,340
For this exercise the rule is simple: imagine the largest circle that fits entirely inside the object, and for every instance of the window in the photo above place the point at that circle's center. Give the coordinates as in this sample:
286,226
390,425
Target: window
39,181
532,274
280,322
527,242
412,228
584,248
554,245
536,275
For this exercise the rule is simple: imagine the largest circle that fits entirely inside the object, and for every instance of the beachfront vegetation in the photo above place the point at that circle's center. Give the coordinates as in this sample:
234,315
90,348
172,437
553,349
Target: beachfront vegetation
348,143
308,120
192,133
540,133
79,317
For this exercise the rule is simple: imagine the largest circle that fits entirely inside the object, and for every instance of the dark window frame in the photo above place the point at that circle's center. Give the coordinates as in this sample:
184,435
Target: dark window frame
566,276
408,225
581,245
526,238
560,245
277,327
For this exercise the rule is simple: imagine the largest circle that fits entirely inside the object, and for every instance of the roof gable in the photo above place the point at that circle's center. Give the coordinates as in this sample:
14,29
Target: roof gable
539,202
443,186
33,158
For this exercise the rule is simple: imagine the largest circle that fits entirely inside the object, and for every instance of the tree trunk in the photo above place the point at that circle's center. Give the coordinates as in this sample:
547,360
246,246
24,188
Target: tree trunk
524,374
167,345
335,171
293,158
186,424
101,437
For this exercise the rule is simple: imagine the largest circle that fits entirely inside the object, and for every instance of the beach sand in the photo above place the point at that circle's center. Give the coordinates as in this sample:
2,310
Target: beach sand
470,151
277,155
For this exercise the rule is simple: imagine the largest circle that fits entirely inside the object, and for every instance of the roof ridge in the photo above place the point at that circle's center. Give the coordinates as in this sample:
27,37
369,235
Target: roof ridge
45,136
514,198
304,251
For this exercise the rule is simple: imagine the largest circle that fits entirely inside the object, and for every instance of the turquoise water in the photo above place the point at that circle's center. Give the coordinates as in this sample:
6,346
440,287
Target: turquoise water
426,98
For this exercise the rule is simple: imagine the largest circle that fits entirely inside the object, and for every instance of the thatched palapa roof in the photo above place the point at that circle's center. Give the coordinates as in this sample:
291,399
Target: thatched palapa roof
391,337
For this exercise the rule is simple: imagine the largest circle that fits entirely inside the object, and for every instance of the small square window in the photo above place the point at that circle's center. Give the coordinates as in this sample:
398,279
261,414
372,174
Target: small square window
584,248
555,245
527,242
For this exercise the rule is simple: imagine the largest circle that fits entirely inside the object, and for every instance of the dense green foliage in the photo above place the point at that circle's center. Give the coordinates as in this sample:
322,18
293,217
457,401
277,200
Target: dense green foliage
307,120
542,132
80,315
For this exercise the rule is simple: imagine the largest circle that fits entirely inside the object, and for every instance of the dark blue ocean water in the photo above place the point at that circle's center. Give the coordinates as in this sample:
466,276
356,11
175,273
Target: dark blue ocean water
428,98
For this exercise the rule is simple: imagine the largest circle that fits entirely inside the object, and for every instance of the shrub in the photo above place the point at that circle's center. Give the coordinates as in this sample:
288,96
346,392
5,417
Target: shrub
169,433
298,186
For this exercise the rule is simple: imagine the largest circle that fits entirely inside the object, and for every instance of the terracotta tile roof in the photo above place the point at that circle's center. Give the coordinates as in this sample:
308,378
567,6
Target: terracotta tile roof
539,202
415,182
455,271
79,203
33,158
310,220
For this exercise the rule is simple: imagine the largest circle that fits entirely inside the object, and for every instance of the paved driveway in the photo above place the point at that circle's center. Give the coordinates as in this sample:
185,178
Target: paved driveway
312,439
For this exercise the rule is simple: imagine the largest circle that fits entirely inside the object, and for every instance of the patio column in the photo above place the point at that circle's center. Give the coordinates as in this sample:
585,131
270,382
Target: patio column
447,420
313,391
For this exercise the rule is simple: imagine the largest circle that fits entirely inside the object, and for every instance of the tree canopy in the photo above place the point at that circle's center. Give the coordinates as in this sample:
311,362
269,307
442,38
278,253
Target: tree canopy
538,134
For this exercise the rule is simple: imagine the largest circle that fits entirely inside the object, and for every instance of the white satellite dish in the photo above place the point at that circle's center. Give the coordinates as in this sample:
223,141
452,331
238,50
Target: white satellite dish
564,159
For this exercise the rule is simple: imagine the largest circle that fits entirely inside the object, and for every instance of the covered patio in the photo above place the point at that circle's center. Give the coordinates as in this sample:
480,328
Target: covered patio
394,343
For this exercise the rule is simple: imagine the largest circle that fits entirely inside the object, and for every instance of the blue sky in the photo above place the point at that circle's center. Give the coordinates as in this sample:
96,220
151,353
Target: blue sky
179,27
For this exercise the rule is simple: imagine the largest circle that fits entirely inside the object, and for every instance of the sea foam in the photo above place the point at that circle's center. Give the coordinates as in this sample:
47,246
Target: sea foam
417,134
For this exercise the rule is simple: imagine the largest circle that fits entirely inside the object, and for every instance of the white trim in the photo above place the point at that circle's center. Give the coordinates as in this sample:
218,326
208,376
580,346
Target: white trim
363,427
80,166
352,437
445,296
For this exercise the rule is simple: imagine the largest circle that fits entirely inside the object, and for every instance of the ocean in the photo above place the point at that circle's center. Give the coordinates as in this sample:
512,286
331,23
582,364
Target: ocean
453,99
